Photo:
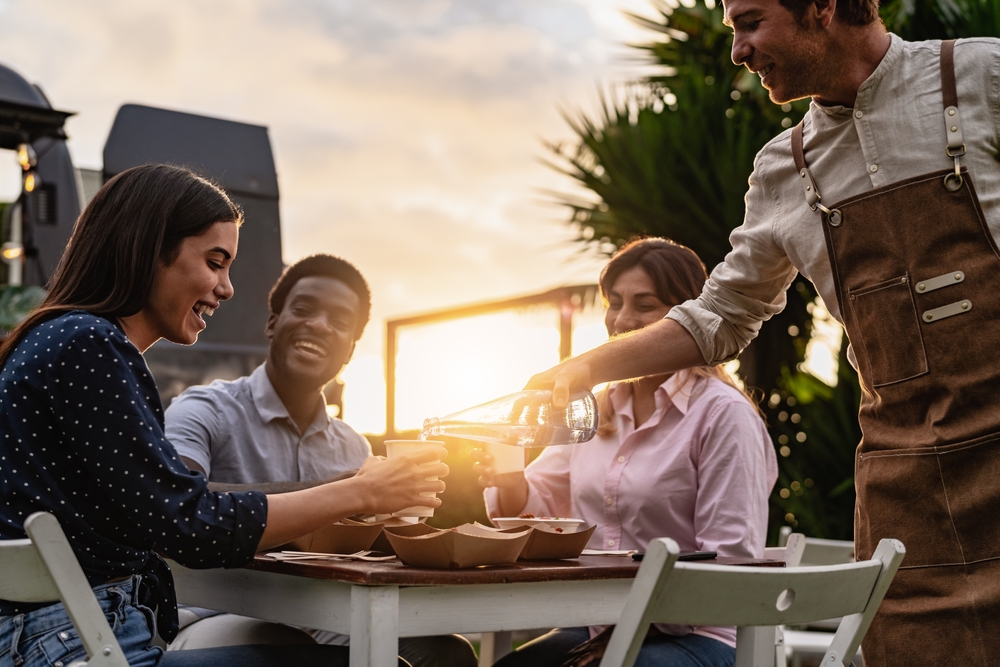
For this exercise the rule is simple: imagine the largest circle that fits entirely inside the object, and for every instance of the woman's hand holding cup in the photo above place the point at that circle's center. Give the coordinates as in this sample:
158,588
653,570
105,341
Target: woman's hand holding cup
499,465
407,480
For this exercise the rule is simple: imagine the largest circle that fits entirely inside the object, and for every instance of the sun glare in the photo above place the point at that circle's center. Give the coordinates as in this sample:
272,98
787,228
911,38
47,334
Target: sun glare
447,366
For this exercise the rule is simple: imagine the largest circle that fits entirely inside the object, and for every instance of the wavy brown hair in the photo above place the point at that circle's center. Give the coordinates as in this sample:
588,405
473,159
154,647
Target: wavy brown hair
678,274
135,223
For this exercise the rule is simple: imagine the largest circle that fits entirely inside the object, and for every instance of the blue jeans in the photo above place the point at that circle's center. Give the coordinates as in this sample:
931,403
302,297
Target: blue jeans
47,638
550,650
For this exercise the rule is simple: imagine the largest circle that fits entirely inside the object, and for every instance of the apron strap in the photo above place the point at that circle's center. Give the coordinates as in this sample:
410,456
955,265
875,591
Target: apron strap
813,197
797,153
948,90
952,117
953,132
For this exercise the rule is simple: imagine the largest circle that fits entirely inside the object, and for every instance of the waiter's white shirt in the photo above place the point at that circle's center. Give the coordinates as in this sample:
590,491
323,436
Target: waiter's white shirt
896,130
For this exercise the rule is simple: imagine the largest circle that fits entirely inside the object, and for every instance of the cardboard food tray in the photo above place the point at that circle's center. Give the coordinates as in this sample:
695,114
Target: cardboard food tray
343,537
468,545
382,543
548,543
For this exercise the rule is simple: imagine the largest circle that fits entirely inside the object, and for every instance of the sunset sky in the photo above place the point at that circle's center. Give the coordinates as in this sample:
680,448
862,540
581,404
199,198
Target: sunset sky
407,133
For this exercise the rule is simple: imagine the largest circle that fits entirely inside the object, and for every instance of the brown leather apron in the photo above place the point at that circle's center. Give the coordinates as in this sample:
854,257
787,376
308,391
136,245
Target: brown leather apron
917,274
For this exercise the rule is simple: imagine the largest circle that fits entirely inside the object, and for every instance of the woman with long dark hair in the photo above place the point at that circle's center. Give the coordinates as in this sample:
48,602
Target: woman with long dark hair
82,429
684,456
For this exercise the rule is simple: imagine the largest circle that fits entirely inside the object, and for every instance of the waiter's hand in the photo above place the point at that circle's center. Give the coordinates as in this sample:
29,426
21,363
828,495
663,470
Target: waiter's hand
569,377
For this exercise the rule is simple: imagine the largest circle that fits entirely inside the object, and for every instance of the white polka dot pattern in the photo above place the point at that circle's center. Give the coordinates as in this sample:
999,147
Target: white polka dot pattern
82,437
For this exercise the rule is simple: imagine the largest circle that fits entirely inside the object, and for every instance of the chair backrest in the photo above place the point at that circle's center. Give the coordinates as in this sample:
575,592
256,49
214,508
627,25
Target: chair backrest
43,568
791,553
827,552
700,594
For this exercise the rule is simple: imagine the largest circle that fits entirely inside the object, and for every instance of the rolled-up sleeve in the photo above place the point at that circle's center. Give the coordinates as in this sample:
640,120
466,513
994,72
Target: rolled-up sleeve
749,286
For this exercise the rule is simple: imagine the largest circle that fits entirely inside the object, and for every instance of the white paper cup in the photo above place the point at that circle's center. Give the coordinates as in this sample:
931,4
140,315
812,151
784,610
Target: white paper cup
397,447
507,459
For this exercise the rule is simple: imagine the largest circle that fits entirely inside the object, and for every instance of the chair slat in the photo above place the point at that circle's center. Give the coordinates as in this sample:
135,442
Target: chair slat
44,568
23,577
752,594
700,594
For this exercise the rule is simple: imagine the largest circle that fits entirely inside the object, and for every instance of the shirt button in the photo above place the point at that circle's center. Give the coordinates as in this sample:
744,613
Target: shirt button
609,501
873,168
859,114
611,543
63,635
621,459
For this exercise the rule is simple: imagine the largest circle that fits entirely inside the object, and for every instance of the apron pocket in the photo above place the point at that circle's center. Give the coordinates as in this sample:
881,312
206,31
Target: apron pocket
885,317
901,496
970,472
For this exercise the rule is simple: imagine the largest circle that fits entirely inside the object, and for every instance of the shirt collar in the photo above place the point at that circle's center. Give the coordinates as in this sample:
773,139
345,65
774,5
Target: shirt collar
865,92
270,406
265,398
676,389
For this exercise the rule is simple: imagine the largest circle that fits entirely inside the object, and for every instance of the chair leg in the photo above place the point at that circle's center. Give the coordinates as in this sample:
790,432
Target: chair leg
487,648
780,657
755,646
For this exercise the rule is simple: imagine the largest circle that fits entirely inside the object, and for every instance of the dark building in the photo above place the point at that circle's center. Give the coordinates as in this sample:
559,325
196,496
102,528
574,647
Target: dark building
48,212
237,156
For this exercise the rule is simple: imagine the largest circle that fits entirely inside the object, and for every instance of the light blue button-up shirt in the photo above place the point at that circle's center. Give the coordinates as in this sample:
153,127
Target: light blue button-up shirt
240,432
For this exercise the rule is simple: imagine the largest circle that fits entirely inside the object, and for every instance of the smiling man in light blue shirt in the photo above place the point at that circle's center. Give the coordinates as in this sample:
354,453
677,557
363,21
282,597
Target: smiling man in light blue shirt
270,431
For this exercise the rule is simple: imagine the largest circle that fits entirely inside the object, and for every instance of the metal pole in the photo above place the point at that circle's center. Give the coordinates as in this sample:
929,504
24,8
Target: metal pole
15,266
390,380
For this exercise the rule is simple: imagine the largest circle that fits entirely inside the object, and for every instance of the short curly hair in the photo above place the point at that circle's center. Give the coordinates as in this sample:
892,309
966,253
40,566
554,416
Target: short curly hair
327,266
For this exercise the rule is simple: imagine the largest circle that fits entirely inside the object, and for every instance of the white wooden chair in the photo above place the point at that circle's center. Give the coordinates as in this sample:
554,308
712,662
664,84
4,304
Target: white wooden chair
43,568
748,597
812,642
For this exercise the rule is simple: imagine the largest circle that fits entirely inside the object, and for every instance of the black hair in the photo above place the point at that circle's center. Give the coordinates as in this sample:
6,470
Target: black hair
136,222
330,267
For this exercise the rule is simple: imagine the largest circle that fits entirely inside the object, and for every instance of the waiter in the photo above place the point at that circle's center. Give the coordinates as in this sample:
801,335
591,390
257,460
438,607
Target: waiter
887,197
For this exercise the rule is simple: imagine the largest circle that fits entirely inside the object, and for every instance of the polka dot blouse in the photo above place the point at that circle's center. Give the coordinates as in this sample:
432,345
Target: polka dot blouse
81,436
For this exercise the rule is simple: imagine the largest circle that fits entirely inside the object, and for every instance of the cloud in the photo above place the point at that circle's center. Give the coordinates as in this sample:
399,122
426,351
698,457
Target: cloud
405,132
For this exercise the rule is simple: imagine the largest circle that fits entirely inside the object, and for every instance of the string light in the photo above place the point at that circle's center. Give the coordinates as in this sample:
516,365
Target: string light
26,156
11,251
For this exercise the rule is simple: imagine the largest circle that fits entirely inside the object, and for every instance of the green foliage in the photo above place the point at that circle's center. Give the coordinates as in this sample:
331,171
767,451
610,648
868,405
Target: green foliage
815,428
672,156
16,302
942,19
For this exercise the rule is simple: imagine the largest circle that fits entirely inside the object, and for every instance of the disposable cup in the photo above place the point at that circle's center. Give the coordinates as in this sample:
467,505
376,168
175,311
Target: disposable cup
397,447
508,460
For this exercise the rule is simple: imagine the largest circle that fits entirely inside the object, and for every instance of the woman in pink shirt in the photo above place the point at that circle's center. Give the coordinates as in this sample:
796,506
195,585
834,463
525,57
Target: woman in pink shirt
684,456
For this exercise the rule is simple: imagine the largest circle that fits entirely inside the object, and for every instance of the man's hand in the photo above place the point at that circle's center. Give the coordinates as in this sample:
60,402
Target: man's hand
569,377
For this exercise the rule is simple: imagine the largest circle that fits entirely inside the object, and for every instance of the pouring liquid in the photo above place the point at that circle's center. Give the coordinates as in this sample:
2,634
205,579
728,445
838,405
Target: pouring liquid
519,435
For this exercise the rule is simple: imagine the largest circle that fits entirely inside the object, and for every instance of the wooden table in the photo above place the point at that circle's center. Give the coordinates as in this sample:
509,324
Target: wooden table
376,603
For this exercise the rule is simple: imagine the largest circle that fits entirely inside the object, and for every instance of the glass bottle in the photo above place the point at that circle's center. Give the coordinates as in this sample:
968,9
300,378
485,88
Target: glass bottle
524,419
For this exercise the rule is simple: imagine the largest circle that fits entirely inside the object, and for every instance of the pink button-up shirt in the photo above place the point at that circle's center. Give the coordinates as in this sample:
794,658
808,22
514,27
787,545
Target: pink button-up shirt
699,470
